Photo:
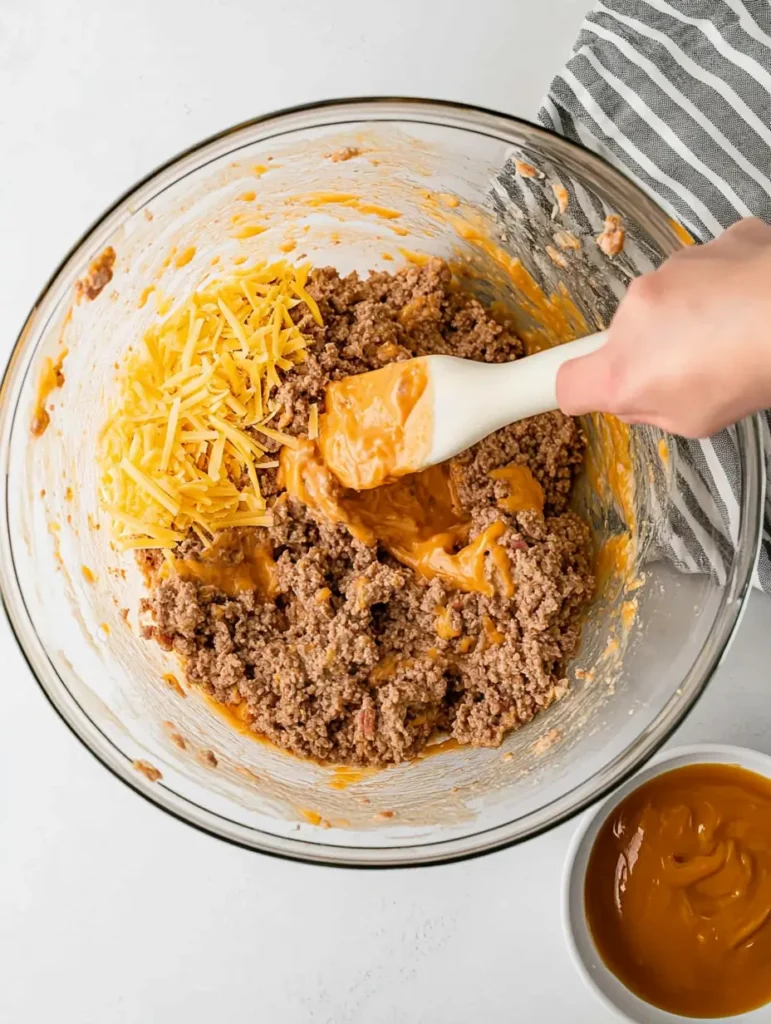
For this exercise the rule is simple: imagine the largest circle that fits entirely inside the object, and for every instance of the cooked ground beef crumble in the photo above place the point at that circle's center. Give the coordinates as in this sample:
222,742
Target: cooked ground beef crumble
344,664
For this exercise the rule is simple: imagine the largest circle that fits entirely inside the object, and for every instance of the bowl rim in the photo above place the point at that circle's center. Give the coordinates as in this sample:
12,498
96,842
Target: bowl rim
465,117
573,876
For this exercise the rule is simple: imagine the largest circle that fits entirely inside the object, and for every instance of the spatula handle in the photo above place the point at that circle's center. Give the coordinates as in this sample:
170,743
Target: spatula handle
473,399
536,376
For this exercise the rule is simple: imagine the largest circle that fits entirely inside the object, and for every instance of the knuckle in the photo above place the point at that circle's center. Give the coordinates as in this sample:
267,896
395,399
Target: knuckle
618,387
749,229
745,224
688,252
645,291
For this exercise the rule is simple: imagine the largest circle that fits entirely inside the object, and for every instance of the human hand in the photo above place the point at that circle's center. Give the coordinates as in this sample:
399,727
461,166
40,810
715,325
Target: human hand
689,349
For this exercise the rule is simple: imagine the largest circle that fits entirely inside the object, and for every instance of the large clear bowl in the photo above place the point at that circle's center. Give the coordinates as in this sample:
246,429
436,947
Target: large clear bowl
655,634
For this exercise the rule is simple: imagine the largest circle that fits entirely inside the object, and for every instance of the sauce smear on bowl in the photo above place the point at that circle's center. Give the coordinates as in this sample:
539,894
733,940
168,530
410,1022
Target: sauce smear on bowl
678,891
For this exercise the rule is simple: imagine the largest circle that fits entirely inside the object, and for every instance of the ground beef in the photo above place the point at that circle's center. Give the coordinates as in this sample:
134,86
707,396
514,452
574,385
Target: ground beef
344,664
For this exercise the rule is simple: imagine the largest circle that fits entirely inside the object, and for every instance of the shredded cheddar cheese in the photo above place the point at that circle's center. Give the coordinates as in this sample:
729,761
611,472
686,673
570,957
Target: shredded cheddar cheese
181,448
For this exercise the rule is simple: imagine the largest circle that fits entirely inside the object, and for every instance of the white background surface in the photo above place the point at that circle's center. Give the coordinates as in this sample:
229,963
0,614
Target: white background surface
110,911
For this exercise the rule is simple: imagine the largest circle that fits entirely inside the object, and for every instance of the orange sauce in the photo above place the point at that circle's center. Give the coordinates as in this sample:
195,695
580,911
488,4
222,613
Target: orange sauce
388,350
169,257
419,259
463,569
525,493
557,317
444,627
684,236
628,614
324,198
416,519
312,817
248,231
492,633
235,563
609,464
185,257
171,680
384,669
442,747
612,561
51,378
378,425
610,473
678,891
348,199
378,211
344,775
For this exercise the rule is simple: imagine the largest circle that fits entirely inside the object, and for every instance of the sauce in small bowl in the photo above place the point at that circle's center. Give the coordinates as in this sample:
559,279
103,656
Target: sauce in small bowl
668,891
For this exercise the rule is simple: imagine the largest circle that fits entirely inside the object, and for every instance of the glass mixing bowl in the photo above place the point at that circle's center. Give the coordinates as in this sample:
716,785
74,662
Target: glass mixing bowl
472,186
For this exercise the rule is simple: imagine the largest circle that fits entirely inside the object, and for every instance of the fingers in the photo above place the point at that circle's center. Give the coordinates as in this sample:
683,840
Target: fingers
751,230
689,347
583,384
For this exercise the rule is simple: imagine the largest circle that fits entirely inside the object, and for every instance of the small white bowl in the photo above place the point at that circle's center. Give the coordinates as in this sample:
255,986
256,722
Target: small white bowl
613,993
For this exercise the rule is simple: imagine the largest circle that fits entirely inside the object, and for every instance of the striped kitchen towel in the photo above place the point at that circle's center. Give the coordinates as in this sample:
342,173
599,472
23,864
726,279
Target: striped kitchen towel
677,94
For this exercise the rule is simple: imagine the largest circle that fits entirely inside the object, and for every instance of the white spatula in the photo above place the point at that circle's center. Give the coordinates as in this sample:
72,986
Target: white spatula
381,433
472,399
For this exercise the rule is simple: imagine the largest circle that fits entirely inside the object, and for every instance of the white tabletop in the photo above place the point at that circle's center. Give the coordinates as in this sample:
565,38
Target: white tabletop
110,911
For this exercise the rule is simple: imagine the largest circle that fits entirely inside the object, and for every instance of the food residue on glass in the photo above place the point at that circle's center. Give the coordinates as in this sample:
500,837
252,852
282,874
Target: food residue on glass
561,195
97,277
207,758
51,377
171,680
148,770
526,170
611,239
346,153
185,257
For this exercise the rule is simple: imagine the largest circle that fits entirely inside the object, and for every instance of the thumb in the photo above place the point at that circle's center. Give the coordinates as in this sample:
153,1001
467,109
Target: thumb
582,384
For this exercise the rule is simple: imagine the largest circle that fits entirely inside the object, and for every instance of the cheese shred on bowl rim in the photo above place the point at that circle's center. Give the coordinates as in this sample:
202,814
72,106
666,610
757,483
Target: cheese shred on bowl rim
180,449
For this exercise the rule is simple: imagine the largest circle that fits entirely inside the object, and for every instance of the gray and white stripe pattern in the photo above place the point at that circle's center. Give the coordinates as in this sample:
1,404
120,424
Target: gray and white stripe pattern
677,94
